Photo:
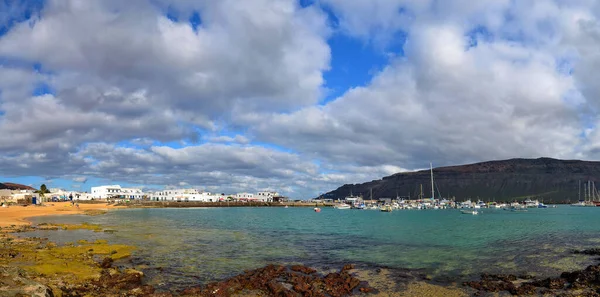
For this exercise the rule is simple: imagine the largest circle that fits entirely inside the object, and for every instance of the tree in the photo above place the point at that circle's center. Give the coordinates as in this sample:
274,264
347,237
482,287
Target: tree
42,192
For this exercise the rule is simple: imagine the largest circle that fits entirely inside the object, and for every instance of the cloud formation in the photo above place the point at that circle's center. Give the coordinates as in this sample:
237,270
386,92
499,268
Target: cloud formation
228,95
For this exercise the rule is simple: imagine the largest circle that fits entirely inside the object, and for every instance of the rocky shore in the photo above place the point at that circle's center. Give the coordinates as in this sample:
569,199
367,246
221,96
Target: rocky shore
37,267
585,282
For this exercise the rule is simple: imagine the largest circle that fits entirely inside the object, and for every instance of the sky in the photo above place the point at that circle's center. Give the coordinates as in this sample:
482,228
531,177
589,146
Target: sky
300,97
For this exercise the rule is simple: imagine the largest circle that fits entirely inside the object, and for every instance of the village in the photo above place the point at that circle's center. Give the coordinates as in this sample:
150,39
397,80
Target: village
116,192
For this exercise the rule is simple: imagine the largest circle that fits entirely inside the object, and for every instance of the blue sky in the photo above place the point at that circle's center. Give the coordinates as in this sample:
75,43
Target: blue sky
295,96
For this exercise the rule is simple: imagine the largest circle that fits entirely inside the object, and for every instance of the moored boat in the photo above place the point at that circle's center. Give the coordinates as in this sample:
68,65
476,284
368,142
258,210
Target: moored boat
342,206
517,208
386,208
471,212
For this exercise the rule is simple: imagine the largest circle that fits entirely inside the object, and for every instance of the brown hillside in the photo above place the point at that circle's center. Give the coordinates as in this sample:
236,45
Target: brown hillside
13,186
515,179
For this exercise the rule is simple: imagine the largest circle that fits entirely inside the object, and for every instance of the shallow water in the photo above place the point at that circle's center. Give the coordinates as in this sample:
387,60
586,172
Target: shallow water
197,245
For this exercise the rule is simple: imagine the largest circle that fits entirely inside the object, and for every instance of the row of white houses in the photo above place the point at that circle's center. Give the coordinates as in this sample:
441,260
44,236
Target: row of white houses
118,192
187,195
182,195
30,196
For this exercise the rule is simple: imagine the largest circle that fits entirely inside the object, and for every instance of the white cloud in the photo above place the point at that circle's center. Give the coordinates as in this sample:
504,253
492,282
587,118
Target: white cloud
80,179
445,102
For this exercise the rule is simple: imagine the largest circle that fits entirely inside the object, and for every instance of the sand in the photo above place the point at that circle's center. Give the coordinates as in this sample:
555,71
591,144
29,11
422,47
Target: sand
17,215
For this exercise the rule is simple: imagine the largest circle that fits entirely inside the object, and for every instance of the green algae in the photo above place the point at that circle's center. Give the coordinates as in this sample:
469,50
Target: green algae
75,262
82,226
563,264
94,212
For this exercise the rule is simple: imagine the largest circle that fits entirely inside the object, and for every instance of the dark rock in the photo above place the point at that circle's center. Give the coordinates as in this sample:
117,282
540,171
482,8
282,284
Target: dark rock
303,269
191,291
591,252
583,278
340,284
551,283
367,290
275,280
275,288
347,267
14,282
526,276
499,277
106,262
126,281
524,289
490,285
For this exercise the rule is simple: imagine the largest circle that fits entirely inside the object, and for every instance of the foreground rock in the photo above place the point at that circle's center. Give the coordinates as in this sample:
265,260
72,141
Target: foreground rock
591,252
277,280
14,283
584,282
112,282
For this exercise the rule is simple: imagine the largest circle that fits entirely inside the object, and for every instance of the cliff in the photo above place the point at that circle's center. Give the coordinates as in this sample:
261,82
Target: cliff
546,179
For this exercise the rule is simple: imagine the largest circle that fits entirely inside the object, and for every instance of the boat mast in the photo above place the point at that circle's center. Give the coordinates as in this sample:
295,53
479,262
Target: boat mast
579,195
432,189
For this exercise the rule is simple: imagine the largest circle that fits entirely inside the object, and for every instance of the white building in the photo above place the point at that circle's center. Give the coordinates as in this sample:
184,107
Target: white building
244,196
186,195
23,195
266,196
115,191
82,196
59,194
7,196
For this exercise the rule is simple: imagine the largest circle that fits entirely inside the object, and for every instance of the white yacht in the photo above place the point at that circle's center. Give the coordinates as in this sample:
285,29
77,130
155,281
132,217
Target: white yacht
471,212
342,206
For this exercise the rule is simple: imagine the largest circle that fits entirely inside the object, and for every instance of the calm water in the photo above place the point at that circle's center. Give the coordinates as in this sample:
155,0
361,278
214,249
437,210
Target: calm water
197,245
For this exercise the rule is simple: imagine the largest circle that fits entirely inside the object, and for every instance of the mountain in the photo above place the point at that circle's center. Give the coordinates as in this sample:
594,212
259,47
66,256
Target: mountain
546,179
13,186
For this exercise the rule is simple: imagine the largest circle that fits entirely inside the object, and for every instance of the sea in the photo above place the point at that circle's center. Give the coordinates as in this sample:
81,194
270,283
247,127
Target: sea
179,247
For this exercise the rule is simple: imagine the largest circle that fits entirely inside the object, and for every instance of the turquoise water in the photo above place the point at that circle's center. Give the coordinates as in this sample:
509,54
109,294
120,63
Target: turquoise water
179,247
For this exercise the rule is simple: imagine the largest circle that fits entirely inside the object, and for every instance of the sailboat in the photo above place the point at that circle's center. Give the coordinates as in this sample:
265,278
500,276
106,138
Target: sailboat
432,188
589,191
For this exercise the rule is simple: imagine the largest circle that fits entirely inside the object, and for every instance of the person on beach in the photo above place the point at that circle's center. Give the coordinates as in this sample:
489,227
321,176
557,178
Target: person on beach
77,205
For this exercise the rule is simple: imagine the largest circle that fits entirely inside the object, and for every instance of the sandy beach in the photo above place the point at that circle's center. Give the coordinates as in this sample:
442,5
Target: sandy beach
17,215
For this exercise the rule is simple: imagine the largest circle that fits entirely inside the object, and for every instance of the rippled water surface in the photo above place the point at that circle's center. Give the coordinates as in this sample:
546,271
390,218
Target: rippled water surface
196,245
